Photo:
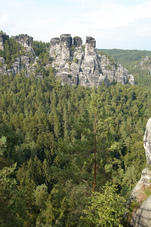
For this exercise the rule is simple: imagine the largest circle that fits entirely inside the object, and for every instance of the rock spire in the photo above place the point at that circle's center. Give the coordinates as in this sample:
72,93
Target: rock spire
143,214
78,64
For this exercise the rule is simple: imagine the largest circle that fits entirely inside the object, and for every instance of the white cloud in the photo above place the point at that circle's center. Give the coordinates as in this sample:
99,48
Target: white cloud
110,21
115,24
3,21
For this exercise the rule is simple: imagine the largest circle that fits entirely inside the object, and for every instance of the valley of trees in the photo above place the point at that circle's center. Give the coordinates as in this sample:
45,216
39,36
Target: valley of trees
131,59
125,57
69,156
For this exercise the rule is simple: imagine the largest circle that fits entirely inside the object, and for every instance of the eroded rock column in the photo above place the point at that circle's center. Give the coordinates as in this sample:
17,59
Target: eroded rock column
91,69
142,217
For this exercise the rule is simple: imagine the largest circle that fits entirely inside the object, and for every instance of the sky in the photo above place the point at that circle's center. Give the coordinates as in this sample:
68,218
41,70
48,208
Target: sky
122,24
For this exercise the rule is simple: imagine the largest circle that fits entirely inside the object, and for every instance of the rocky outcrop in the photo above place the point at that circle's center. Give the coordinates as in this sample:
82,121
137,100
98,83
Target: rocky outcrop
1,41
3,37
147,142
144,66
74,63
143,214
143,188
25,40
78,64
26,62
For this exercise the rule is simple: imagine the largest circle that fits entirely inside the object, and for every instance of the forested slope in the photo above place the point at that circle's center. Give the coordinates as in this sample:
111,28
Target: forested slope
69,155
138,63
48,135
125,57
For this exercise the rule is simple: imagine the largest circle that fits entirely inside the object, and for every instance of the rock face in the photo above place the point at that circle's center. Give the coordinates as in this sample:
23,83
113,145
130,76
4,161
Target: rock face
142,217
78,64
145,64
3,37
1,42
143,214
143,184
74,63
25,40
147,142
25,62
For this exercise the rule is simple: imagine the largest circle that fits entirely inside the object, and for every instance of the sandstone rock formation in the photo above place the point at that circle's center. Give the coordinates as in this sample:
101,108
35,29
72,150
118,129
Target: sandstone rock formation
3,37
78,64
147,142
145,64
143,214
25,40
142,217
1,41
74,63
25,62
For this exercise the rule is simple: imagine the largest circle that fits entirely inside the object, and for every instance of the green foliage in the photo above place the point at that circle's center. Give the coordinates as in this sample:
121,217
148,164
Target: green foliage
75,60
2,144
125,57
147,192
69,76
72,48
132,60
105,208
12,212
41,195
12,50
40,47
51,137
48,129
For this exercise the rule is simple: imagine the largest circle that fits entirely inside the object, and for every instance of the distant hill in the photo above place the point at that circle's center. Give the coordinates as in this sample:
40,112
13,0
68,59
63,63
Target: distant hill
125,57
138,63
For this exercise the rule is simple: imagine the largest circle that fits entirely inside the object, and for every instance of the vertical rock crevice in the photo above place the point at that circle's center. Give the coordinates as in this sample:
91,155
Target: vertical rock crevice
78,64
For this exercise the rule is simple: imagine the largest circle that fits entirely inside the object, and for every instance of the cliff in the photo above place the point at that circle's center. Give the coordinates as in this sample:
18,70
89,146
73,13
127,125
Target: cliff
142,191
25,57
78,64
74,63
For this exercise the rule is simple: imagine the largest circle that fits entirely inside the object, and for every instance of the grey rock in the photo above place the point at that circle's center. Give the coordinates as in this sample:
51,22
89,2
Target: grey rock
25,62
77,41
142,217
143,214
25,40
60,52
1,42
144,60
147,142
3,37
82,65
2,60
143,183
54,41
144,64
145,180
131,79
66,40
91,41
74,64
16,67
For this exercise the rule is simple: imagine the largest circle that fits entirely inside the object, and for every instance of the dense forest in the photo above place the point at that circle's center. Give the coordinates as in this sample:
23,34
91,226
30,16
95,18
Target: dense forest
69,156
